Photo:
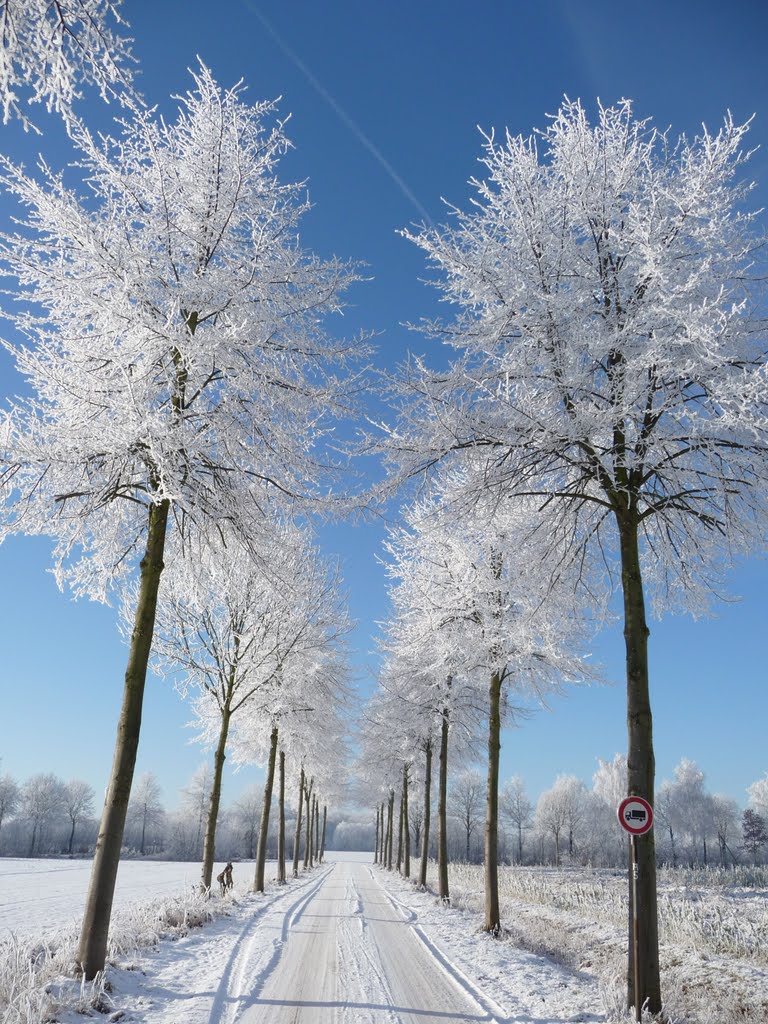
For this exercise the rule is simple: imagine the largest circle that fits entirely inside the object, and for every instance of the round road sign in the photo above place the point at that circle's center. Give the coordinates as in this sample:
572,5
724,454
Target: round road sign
635,815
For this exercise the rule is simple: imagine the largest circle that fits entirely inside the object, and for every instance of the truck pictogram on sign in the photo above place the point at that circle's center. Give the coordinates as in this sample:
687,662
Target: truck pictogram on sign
635,815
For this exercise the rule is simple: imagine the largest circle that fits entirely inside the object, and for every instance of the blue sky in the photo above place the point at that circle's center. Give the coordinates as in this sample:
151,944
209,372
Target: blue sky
385,101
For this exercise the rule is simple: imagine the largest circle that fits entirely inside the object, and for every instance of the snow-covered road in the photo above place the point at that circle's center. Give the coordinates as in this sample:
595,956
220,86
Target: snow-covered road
343,953
334,947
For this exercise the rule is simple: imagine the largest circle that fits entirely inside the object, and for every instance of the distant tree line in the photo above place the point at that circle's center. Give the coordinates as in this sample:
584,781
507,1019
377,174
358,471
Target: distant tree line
45,816
573,824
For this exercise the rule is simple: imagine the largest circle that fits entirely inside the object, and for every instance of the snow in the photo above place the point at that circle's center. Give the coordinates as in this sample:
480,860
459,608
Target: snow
340,946
41,896
350,943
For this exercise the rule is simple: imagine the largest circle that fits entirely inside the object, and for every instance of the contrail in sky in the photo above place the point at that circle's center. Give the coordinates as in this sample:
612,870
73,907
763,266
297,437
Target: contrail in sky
343,116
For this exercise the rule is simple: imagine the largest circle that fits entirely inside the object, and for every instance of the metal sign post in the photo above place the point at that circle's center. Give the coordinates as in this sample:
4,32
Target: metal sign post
636,817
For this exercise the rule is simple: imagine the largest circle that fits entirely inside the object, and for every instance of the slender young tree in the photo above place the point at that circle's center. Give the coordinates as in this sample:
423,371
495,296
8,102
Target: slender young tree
177,373
609,367
281,821
145,809
390,827
406,822
400,825
309,783
78,803
424,861
261,850
297,834
515,807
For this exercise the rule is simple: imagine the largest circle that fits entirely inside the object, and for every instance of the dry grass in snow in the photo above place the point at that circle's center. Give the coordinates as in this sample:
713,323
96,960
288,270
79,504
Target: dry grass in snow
713,932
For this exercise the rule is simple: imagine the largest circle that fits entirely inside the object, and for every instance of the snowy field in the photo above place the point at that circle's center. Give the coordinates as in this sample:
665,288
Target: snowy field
713,932
343,944
41,896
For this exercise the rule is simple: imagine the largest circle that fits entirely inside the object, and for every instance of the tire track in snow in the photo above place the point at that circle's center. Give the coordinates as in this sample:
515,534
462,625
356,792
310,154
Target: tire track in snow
367,989
242,979
497,1014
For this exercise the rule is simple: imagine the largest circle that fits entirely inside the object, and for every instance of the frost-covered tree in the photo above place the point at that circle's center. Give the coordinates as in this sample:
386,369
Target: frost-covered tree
685,811
757,794
246,812
145,811
41,803
195,798
754,834
516,809
609,367
725,817
9,797
609,787
467,802
609,782
78,804
47,49
178,373
558,811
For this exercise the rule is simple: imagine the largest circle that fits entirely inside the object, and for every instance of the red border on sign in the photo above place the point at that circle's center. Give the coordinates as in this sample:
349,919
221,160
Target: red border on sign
646,826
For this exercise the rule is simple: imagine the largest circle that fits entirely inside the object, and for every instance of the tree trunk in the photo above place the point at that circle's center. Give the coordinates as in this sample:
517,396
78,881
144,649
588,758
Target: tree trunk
316,848
390,827
297,836
427,811
261,850
98,907
442,814
382,853
143,832
406,827
322,834
281,821
209,842
308,833
400,834
376,841
640,767
313,833
492,915
519,842
72,839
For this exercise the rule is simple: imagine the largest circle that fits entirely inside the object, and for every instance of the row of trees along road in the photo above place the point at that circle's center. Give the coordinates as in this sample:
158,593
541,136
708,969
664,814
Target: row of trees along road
607,391
179,379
